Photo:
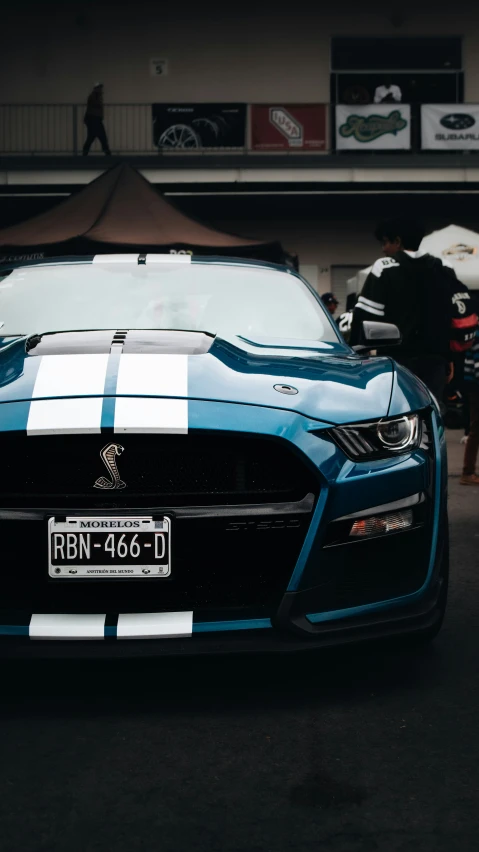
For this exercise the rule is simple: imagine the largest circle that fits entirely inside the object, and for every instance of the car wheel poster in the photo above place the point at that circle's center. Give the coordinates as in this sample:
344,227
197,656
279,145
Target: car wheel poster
197,126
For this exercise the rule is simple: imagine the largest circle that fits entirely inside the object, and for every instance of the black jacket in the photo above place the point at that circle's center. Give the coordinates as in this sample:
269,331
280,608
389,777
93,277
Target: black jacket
94,107
413,291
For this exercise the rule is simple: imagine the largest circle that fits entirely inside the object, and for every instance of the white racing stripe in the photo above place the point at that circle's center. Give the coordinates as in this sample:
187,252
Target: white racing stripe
148,415
65,416
168,258
74,626
116,258
131,625
79,376
153,375
155,625
70,375
133,258
148,376
151,394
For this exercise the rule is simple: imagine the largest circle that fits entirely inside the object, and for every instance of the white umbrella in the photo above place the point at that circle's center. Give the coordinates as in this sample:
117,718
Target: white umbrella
459,248
356,283
456,246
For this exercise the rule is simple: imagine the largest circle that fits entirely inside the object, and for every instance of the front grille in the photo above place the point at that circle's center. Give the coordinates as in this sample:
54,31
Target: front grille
217,563
174,470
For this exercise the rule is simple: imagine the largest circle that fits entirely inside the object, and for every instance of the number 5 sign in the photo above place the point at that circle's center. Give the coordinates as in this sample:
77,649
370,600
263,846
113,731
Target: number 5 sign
158,67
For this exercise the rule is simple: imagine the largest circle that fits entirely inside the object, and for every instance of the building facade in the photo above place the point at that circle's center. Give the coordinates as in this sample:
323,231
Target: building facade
322,202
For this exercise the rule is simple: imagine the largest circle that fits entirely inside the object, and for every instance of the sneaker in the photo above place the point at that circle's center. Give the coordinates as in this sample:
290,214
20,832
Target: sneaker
469,479
464,439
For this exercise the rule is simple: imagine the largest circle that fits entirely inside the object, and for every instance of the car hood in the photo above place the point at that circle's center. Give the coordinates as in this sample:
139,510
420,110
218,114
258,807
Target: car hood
328,382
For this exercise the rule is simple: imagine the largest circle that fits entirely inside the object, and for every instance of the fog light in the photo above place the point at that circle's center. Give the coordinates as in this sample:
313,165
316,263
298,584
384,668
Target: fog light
379,525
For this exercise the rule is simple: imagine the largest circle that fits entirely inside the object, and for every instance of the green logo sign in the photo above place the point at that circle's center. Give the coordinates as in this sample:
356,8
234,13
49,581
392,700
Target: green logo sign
367,128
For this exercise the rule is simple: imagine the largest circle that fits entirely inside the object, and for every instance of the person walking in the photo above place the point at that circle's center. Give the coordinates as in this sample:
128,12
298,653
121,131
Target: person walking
94,121
419,294
471,383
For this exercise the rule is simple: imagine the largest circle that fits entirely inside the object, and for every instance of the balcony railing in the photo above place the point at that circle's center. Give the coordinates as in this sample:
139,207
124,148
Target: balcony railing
35,129
59,130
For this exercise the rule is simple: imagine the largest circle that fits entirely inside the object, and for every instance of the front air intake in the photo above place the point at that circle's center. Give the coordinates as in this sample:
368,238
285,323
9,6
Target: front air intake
174,470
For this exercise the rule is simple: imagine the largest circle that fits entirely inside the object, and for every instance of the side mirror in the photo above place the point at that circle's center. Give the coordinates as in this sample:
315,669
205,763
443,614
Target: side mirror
378,334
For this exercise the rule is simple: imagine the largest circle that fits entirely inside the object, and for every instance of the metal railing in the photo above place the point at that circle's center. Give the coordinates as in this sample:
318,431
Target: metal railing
59,129
38,129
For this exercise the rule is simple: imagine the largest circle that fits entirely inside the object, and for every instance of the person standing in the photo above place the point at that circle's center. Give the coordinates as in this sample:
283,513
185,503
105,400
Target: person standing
330,302
411,289
345,320
471,383
388,93
94,121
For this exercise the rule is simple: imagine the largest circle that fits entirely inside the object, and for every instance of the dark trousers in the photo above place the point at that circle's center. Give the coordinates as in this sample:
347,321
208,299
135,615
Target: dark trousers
95,130
432,370
472,446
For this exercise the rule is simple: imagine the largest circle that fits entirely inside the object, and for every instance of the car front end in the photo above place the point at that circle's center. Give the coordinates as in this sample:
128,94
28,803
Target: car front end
171,491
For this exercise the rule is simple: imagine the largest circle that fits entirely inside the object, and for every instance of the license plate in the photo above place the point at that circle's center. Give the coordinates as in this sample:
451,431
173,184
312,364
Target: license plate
109,548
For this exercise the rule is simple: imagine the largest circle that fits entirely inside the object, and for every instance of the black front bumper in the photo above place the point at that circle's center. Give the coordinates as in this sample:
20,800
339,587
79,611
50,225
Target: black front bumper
286,635
356,577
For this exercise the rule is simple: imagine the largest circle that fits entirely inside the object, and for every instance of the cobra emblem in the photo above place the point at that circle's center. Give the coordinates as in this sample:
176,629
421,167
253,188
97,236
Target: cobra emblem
108,457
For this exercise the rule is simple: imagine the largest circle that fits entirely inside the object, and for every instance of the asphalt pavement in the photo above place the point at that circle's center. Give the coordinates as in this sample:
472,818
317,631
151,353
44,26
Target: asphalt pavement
344,751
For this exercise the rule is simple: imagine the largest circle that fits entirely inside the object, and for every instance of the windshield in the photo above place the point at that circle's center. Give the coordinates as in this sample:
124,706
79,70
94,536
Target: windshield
220,299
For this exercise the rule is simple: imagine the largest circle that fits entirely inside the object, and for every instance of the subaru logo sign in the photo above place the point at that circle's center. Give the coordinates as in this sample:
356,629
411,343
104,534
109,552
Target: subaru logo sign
458,121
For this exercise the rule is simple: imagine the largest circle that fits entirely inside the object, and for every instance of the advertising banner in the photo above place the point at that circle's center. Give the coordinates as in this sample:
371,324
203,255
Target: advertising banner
450,127
373,127
301,127
195,126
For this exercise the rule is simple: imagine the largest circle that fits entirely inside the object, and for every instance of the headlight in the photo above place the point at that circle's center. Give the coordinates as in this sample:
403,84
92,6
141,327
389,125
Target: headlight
381,439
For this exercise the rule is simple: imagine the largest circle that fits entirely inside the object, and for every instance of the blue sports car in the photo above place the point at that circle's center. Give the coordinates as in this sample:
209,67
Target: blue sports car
192,453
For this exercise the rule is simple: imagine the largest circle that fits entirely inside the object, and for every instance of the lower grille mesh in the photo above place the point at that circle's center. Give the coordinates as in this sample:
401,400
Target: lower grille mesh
216,563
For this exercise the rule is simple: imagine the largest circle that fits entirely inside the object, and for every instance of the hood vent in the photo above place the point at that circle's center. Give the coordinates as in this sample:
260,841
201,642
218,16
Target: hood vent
133,341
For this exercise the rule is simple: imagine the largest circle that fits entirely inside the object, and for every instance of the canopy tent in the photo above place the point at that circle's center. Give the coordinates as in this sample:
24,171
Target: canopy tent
120,210
456,246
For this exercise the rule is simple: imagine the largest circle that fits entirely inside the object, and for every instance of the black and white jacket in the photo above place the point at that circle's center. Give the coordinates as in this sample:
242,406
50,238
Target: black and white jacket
413,291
